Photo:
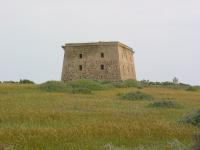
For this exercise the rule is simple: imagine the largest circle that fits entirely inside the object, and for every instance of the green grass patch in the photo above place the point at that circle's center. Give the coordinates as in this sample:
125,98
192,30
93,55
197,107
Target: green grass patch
165,104
135,96
88,84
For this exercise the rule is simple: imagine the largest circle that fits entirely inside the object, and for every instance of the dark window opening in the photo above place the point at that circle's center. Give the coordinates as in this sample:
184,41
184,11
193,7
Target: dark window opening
80,55
102,55
102,67
80,67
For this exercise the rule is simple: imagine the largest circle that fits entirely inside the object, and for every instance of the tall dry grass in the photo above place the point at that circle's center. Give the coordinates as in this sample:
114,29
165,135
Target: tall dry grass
34,119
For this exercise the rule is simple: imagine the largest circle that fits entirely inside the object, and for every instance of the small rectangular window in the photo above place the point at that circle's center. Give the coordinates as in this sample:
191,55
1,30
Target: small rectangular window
80,55
102,55
102,67
80,67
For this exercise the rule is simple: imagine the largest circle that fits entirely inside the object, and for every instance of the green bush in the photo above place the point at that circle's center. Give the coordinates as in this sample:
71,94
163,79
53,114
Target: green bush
135,96
54,86
165,104
88,84
193,89
25,81
192,118
75,87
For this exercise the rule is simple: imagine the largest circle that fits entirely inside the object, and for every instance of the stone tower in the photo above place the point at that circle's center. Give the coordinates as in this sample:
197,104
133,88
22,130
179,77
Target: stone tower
110,61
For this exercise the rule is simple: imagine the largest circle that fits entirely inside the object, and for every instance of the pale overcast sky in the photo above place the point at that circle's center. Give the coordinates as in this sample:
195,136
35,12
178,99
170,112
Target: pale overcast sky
164,33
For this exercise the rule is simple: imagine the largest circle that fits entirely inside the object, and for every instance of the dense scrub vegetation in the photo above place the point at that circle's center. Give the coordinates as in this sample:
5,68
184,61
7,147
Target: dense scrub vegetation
87,86
101,85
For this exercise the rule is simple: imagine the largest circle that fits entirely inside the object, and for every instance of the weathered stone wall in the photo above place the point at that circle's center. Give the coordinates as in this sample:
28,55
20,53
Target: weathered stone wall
91,62
126,61
85,61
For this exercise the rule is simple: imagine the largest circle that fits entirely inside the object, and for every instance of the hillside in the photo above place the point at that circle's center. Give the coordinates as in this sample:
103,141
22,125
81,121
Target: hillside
31,118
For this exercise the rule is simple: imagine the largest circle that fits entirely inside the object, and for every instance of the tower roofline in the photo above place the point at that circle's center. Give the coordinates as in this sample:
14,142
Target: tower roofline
97,43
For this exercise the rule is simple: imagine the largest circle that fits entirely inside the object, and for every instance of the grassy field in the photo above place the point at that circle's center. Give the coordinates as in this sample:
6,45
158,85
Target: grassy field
32,119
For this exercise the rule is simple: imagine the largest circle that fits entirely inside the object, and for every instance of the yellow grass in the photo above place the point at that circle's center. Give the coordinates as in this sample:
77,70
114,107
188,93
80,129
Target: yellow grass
37,120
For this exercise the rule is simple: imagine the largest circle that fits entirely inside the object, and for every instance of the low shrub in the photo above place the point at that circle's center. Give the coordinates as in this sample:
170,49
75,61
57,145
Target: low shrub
54,86
193,89
135,96
81,90
167,84
118,84
192,118
165,104
126,84
25,81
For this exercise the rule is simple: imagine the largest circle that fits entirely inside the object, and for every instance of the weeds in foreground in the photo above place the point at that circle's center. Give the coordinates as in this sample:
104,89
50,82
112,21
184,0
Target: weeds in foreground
2,147
172,145
196,144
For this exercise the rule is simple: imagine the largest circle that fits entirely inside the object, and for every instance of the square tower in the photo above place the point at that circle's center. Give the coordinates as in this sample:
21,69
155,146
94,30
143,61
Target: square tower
109,61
